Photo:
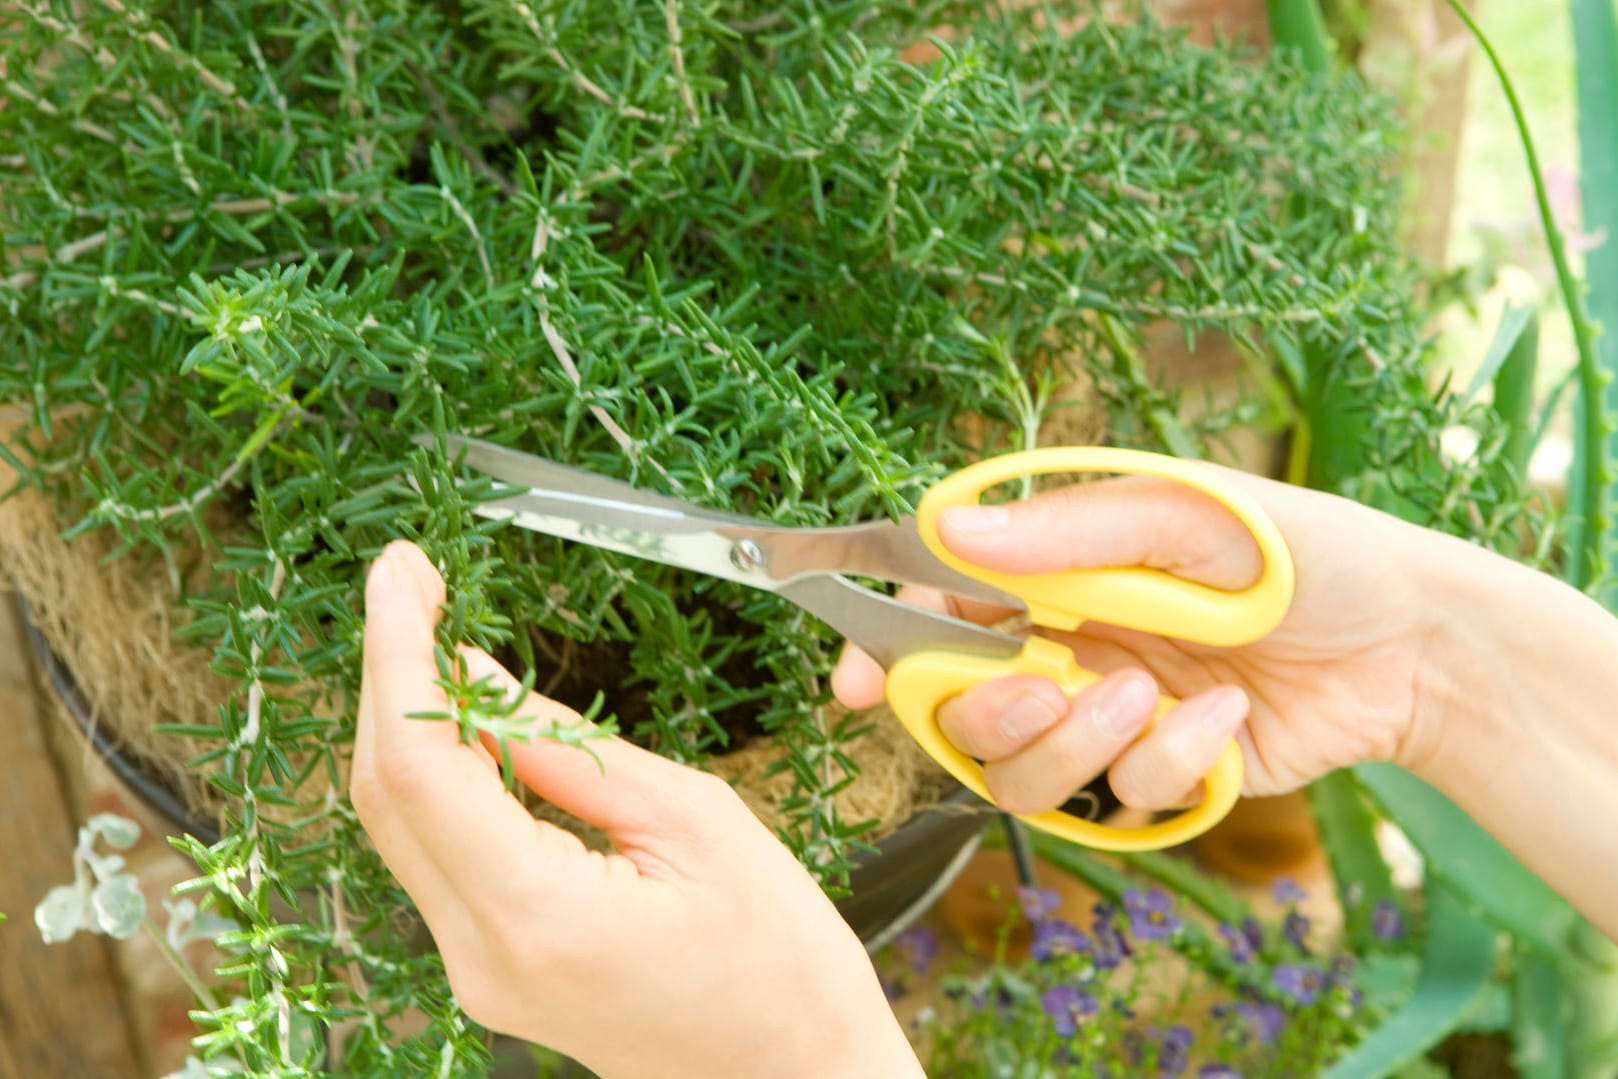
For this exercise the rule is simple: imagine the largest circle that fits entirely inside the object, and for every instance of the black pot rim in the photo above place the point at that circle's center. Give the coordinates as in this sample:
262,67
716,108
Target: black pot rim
157,795
164,800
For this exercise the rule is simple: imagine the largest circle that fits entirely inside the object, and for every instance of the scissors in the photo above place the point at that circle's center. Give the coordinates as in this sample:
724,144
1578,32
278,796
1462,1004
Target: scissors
929,656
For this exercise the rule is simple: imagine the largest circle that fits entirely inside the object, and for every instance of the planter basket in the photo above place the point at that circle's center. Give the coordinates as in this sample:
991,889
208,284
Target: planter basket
104,638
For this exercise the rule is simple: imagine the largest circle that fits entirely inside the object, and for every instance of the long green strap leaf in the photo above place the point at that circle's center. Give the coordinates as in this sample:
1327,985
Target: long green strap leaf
1513,321
1457,964
1514,387
1471,861
1593,992
1346,826
1299,24
1595,50
1540,1024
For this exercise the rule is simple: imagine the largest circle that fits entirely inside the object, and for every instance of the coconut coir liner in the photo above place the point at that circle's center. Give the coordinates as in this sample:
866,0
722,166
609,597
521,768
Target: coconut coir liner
113,622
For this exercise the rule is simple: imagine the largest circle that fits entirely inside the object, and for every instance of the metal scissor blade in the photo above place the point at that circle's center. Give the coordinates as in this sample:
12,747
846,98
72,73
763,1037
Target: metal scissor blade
525,470
796,563
661,535
888,628
579,505
885,627
885,550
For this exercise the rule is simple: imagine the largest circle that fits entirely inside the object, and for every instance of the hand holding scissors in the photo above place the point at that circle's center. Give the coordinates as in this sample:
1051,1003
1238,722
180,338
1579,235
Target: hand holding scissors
931,656
591,954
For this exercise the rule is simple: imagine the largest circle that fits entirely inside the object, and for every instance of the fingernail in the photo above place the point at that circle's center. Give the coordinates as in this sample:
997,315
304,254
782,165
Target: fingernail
380,580
1225,709
1026,717
1124,707
975,520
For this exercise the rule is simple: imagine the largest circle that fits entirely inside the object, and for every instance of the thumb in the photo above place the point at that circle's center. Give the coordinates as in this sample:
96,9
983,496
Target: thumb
1128,521
403,595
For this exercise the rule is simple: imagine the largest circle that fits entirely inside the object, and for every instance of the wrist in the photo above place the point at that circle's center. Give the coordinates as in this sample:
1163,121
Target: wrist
841,1025
1452,632
1514,665
872,1046
1474,606
1515,721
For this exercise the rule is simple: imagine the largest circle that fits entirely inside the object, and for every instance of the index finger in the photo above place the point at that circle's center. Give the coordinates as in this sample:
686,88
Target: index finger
415,782
1127,521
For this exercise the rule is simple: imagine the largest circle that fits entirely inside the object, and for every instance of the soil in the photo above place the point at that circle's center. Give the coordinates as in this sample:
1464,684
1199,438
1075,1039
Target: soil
1476,1056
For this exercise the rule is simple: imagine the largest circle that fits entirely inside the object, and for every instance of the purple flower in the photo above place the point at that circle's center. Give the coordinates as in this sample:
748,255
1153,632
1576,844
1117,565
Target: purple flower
919,946
1264,1020
1151,915
1301,983
1386,921
1054,937
1067,1005
1174,1050
1038,903
1296,930
892,988
1218,1071
1110,947
1245,940
1286,890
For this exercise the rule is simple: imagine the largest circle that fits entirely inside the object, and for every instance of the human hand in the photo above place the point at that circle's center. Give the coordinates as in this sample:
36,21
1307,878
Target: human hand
698,948
1339,681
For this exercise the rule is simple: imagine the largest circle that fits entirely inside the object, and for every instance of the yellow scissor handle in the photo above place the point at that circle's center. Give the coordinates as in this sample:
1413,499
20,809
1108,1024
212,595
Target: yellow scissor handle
920,682
1133,596
1150,600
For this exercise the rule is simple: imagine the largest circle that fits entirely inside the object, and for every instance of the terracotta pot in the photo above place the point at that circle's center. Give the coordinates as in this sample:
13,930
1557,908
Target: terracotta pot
1265,838
983,901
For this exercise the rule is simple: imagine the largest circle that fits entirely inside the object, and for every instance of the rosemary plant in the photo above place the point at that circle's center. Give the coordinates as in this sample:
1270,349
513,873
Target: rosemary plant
733,251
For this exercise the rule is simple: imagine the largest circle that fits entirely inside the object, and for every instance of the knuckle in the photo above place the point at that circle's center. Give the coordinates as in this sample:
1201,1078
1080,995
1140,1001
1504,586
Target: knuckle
401,777
964,730
1126,789
1012,794
365,793
479,995
712,792
1131,783
510,937
1156,783
705,805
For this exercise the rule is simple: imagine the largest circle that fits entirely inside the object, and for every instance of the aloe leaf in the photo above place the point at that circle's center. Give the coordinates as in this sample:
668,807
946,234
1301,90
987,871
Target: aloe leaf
1299,24
1593,990
1540,1024
1333,427
1471,861
1513,321
1514,387
1595,49
1347,834
1457,965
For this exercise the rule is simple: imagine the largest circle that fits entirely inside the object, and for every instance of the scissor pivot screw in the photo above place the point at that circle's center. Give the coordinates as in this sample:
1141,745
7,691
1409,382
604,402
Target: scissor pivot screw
746,555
